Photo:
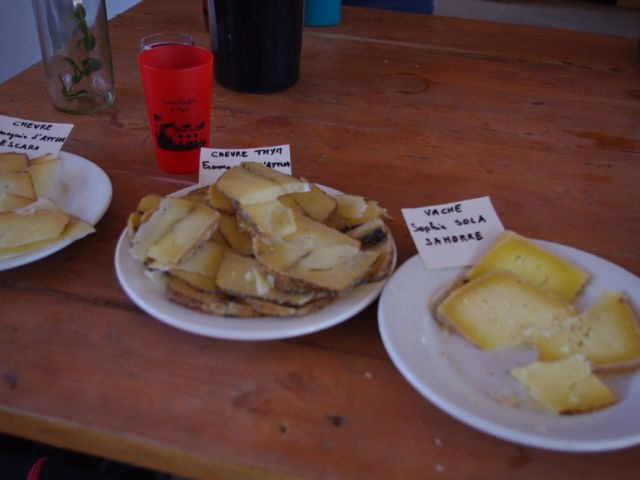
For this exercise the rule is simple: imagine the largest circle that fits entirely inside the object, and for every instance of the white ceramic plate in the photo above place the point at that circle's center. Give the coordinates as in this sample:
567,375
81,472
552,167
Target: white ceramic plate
86,193
150,298
475,386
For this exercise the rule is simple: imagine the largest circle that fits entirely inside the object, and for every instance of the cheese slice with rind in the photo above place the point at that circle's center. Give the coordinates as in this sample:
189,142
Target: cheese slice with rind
532,263
607,334
565,386
499,310
164,217
185,235
248,183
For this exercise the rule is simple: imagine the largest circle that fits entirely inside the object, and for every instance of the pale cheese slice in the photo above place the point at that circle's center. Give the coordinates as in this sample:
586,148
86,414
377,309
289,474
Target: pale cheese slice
238,240
564,386
269,218
245,277
14,183
164,217
185,235
75,230
13,162
10,202
47,180
247,186
17,229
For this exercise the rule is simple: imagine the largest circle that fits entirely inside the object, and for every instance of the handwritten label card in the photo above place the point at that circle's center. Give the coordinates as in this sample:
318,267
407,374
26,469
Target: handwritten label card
453,234
215,161
32,138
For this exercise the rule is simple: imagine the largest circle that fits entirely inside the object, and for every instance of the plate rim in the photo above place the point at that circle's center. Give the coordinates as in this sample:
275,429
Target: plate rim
27,258
371,292
493,427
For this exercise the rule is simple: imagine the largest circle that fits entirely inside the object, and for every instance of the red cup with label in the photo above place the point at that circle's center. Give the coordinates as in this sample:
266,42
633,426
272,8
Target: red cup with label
177,82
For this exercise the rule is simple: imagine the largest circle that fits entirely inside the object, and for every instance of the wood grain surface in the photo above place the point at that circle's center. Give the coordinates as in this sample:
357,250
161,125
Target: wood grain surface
411,110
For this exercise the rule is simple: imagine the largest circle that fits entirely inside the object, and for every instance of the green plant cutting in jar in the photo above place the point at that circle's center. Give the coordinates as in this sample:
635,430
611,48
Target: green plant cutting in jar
87,65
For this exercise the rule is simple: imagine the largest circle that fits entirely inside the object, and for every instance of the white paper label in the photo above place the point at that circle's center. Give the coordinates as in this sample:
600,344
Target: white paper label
32,138
215,161
453,234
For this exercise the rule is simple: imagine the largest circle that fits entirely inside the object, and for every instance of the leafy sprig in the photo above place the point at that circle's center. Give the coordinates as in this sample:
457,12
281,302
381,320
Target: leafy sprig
87,65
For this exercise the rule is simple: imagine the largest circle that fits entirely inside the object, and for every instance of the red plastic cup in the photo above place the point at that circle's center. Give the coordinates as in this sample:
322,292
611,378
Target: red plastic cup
177,82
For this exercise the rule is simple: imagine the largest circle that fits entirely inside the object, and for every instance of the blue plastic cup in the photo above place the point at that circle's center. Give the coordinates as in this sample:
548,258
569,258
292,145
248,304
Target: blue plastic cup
321,13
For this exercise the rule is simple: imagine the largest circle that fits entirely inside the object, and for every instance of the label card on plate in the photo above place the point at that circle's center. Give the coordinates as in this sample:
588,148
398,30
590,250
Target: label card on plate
32,138
215,161
453,234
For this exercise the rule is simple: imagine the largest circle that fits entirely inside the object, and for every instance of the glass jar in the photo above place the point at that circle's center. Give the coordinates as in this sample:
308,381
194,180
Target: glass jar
76,54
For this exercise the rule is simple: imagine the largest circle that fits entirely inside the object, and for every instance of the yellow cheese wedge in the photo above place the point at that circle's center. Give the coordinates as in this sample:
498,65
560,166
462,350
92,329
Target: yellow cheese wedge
269,218
308,236
168,213
185,235
288,183
46,178
238,240
205,261
247,186
47,157
75,230
538,266
500,310
13,162
215,199
16,229
607,334
315,203
10,202
245,277
353,210
564,386
19,184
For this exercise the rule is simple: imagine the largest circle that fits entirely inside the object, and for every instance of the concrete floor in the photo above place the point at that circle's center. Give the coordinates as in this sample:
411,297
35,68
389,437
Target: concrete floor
566,14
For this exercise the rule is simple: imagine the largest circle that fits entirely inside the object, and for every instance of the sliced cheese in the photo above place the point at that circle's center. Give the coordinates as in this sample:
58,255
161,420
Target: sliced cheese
13,162
238,240
47,180
19,184
564,386
168,213
533,264
247,186
500,310
245,277
215,199
269,218
185,236
17,230
607,334
315,203
10,202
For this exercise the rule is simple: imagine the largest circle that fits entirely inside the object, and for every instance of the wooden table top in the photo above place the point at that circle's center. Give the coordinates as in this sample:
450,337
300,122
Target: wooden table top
411,110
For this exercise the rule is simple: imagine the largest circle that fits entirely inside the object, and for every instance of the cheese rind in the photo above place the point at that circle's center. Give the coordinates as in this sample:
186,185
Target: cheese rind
499,310
536,265
564,386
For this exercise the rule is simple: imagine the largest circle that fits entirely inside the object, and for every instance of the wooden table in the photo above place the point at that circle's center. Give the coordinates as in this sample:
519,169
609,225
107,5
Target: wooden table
411,110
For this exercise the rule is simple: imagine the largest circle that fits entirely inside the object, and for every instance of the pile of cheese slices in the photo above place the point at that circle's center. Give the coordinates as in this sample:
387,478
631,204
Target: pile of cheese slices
29,218
260,242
